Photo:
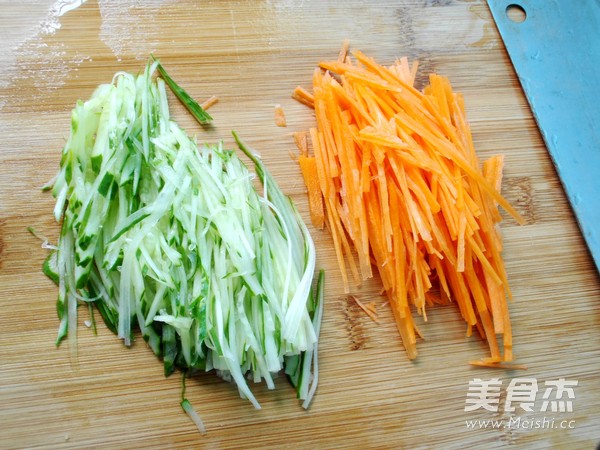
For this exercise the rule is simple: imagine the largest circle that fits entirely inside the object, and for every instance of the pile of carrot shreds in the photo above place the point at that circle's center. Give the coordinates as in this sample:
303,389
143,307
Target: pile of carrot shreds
395,178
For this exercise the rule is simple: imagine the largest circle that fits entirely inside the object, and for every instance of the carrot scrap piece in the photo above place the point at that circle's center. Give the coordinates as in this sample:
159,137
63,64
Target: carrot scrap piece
344,51
402,190
280,116
368,309
371,307
301,141
209,102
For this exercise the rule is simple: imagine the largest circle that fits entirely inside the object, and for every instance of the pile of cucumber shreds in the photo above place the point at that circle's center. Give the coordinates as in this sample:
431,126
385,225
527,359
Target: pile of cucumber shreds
171,237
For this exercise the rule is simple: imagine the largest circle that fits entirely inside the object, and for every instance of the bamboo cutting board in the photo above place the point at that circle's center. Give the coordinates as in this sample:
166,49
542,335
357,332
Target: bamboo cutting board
251,54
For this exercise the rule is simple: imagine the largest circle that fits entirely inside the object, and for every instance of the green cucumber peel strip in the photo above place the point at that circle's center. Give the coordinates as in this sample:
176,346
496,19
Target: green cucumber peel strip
192,106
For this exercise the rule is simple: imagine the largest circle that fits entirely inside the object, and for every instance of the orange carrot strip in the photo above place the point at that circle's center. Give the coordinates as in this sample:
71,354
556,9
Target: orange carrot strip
481,306
498,365
303,96
308,167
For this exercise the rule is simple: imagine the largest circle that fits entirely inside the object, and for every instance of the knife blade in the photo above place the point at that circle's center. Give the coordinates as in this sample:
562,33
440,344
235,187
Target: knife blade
554,47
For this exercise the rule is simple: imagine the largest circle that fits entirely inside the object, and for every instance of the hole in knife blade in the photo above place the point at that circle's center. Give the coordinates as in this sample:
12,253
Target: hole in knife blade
516,13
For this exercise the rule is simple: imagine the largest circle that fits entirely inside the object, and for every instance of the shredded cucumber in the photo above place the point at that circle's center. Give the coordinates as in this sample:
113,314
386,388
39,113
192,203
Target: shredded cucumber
171,237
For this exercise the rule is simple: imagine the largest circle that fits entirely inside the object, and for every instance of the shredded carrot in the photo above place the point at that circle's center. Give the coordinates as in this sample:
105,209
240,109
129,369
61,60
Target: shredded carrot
209,102
280,116
402,189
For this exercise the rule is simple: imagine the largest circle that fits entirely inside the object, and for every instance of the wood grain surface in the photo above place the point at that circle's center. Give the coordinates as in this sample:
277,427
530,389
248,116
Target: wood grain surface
251,54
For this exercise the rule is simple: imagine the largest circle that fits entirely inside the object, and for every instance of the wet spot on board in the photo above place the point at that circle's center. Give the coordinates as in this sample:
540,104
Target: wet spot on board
353,317
519,192
438,2
41,60
489,37
427,31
